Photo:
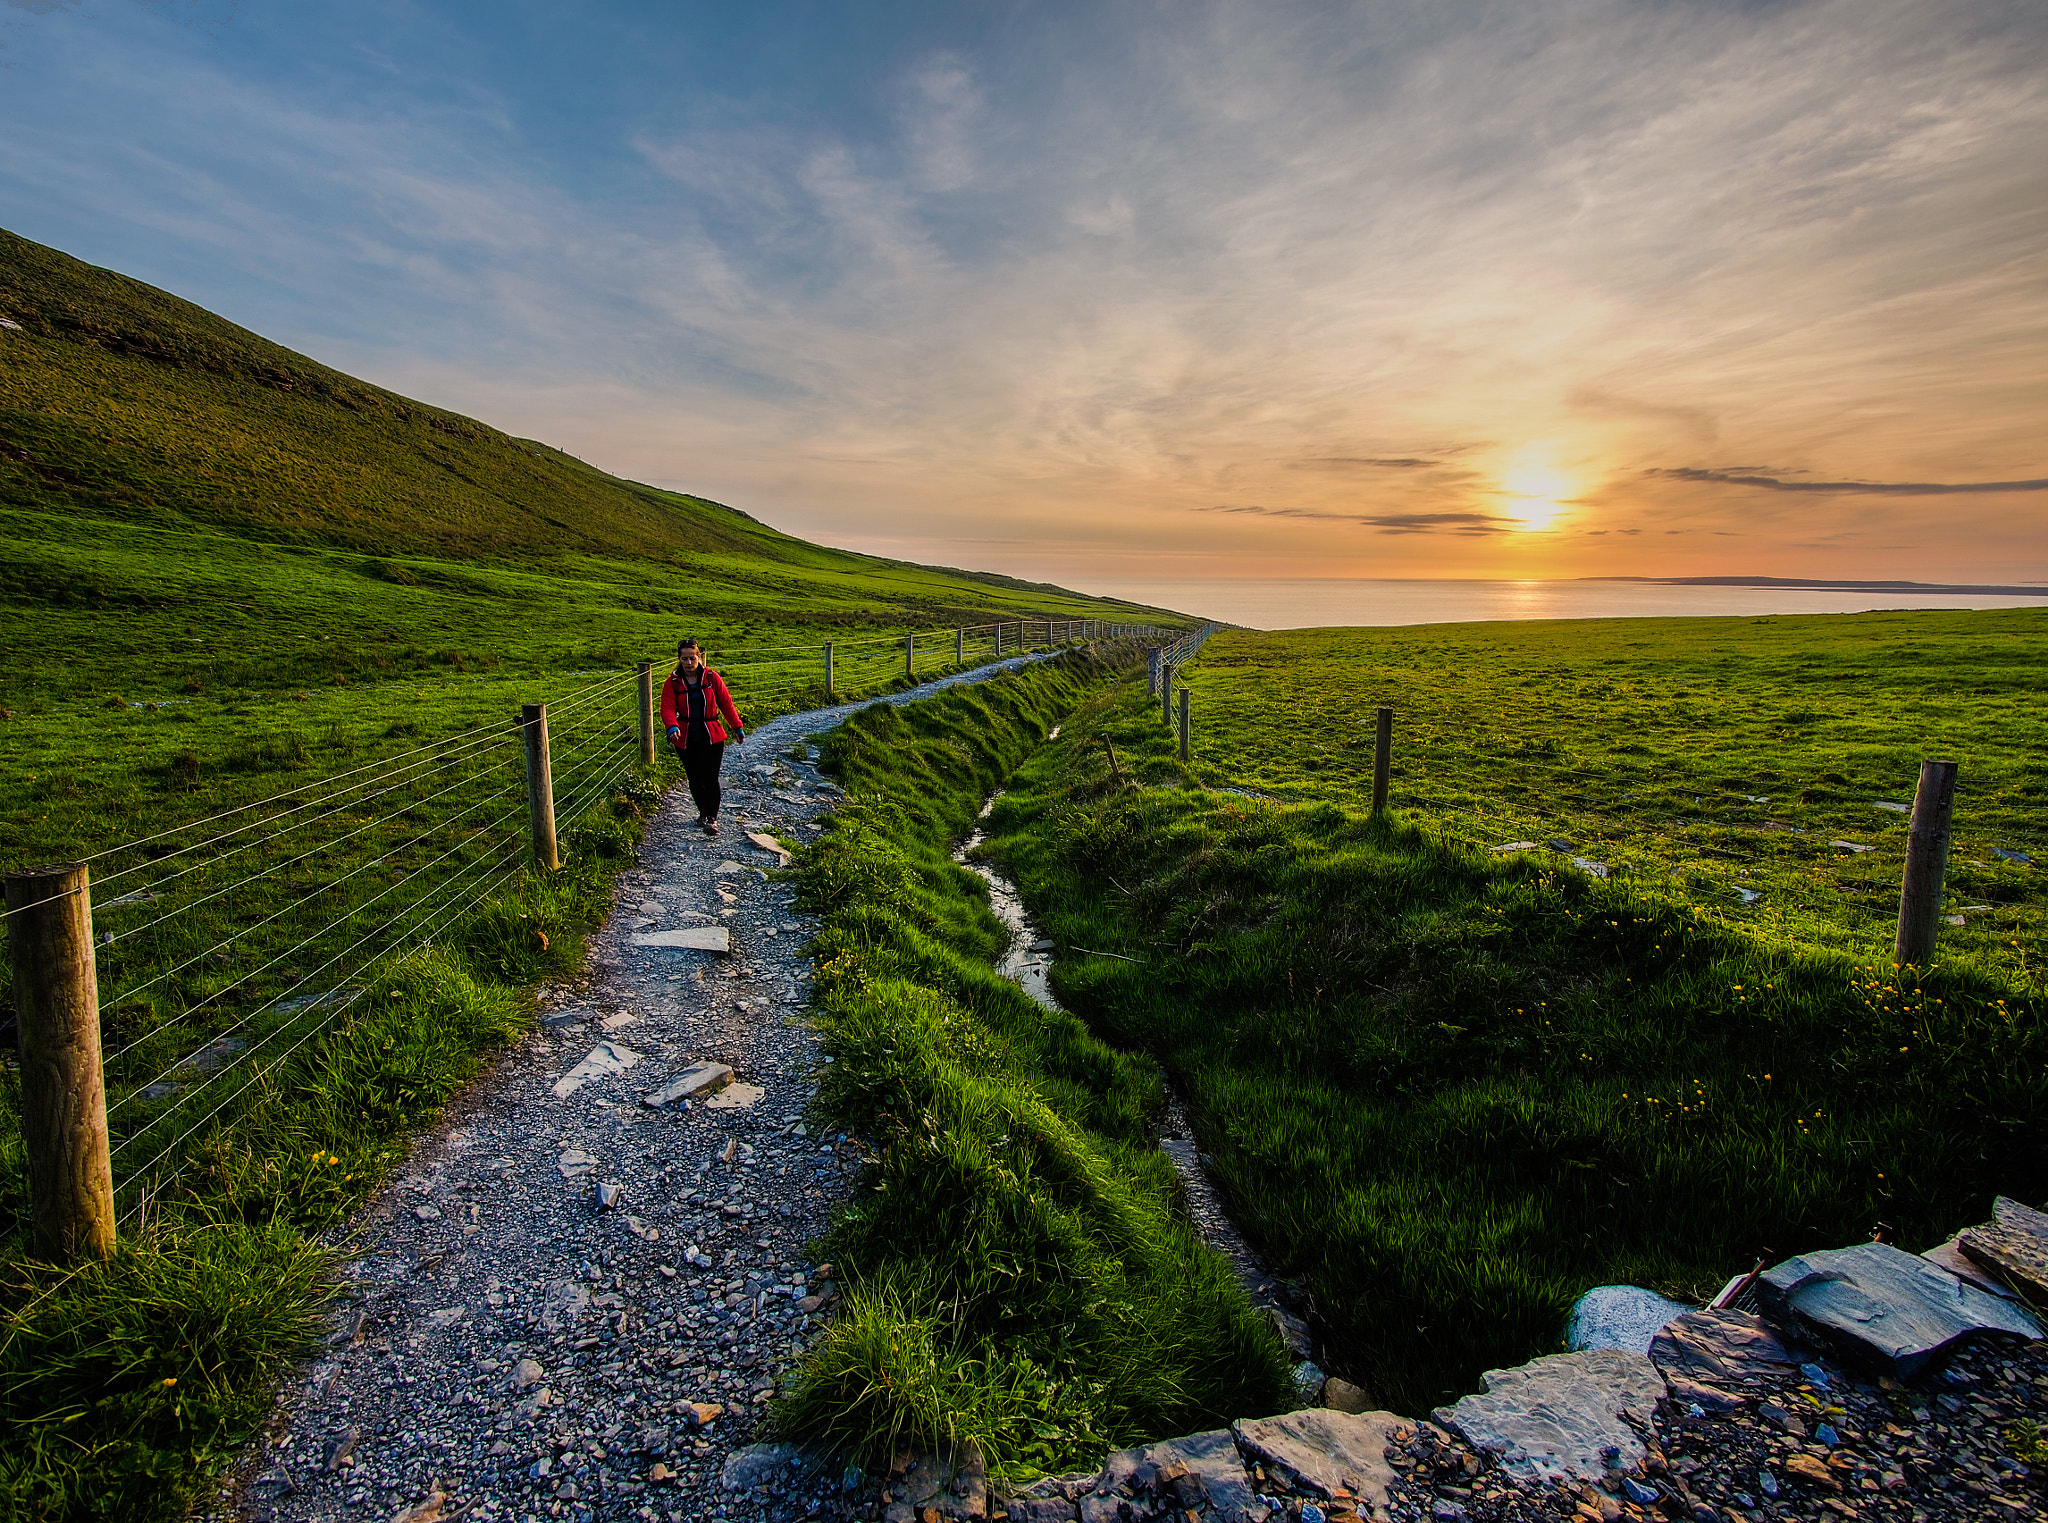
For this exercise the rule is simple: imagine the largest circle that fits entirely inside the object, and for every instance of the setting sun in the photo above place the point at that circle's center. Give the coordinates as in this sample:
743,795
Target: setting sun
1535,490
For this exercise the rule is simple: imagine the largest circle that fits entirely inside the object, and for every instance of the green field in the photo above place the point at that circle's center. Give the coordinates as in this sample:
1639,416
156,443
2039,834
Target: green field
270,628
1720,754
1453,1088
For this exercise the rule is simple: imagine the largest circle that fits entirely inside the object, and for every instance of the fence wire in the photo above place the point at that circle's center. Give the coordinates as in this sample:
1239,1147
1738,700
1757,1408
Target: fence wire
233,942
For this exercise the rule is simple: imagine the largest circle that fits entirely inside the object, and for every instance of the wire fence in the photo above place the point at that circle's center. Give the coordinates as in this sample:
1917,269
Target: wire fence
224,948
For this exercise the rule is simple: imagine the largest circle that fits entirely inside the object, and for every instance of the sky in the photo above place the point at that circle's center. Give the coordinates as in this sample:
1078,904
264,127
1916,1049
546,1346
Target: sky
1102,290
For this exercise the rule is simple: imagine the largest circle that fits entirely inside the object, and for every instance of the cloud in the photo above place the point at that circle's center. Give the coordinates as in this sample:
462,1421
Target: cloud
1465,523
1366,463
1857,488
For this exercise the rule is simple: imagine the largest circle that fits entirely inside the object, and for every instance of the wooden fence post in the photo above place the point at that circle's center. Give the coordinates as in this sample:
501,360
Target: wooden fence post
646,713
999,642
910,655
1166,693
828,669
960,647
540,786
63,1094
1382,758
1185,752
1927,840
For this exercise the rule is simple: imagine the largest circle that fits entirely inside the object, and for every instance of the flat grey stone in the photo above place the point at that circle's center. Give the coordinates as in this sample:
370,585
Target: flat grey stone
689,938
1216,1469
2013,1248
1326,1451
1949,1256
757,1464
697,1079
1886,1309
602,1061
1559,1418
1711,1359
765,842
1619,1316
736,1096
1726,1348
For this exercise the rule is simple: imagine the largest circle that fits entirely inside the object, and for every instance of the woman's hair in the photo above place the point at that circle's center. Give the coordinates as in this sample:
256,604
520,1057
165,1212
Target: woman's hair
686,644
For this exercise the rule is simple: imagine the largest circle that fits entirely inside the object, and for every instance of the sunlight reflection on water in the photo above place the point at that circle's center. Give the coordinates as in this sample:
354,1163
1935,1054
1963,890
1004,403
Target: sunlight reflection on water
1309,603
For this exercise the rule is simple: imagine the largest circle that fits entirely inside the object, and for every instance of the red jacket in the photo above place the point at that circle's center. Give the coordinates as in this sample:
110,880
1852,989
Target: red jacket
675,702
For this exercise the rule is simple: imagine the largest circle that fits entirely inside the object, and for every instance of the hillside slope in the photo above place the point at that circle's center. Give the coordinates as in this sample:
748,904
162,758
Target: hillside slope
121,401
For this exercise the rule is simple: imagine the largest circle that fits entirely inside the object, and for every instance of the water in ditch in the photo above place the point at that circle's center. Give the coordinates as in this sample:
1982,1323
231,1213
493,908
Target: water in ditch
1028,963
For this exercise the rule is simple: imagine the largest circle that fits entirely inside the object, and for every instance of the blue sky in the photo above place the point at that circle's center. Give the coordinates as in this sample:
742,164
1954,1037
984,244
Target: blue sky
1557,287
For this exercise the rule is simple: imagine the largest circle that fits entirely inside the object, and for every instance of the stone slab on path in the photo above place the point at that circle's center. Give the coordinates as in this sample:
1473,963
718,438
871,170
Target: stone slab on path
697,1079
1559,1417
603,1060
2013,1247
1884,1309
691,938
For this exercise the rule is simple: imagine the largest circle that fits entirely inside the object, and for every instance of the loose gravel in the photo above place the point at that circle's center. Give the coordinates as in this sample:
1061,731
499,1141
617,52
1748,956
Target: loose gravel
569,1304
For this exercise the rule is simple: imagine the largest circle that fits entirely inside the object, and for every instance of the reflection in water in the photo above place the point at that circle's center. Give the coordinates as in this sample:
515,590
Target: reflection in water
1307,603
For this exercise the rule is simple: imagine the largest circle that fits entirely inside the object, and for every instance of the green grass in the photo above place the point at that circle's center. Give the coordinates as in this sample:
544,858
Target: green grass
1019,1276
1716,753
228,575
1453,1089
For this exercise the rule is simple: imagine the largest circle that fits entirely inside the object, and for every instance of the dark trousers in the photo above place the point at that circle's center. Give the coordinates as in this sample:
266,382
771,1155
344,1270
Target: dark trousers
700,765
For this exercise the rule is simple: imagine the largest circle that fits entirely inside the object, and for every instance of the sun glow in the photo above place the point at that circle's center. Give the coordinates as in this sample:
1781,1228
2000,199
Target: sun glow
1535,490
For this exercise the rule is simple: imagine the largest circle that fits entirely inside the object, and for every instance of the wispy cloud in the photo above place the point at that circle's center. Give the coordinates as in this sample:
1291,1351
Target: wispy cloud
1851,488
1345,463
1468,524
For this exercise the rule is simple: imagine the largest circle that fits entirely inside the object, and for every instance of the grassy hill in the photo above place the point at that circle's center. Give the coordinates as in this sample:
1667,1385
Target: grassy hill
136,429
120,401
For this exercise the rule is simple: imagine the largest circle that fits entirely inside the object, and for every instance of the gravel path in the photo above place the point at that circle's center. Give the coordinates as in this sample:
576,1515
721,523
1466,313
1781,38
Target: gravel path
570,1304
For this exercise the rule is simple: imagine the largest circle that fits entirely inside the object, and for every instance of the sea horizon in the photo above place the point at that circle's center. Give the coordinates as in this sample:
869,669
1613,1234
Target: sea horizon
1329,602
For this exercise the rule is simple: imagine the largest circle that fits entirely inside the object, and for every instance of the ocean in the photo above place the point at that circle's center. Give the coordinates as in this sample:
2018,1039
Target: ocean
1309,603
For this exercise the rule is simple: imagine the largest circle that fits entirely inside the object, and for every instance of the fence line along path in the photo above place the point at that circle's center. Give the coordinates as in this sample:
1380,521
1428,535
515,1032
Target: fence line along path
175,981
571,1303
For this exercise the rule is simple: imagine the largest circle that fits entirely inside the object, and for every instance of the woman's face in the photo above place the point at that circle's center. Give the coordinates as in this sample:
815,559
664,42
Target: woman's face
689,658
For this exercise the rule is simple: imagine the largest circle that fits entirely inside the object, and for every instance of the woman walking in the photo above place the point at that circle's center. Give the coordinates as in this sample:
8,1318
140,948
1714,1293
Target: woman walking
692,701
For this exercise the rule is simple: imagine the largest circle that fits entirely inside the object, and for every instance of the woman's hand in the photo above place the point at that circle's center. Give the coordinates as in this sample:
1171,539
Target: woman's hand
674,730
